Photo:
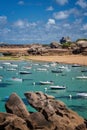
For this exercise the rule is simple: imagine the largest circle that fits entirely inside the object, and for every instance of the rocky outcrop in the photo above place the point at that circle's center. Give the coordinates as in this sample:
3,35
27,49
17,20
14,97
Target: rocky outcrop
81,47
56,112
12,122
55,45
51,114
37,50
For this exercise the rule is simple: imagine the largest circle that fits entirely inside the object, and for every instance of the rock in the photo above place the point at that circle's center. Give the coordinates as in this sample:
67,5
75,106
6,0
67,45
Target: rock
55,45
82,43
12,122
16,106
56,112
37,50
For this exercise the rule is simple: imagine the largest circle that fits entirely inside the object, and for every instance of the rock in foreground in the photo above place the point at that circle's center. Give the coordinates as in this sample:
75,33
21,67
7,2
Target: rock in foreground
51,115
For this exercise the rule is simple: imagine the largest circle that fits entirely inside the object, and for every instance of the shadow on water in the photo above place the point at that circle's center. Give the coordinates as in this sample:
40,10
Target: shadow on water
79,108
68,97
4,85
25,101
27,79
77,91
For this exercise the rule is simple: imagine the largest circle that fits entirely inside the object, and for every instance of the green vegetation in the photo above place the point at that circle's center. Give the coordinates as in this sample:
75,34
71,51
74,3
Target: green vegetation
66,45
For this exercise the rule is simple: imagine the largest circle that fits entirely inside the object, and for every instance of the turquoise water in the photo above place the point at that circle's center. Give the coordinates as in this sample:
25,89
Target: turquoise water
31,83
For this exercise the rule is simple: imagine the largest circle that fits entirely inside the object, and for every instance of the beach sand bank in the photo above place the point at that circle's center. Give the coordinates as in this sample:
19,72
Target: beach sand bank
70,59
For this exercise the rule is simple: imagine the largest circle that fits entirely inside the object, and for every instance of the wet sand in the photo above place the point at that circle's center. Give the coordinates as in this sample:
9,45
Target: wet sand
70,59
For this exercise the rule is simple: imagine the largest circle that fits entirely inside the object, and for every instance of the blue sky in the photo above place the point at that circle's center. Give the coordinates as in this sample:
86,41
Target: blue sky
42,21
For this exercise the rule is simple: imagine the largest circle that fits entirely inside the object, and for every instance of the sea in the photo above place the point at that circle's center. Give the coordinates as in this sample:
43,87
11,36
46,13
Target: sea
12,81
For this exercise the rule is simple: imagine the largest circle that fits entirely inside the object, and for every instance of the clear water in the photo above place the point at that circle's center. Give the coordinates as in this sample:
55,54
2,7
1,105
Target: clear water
67,78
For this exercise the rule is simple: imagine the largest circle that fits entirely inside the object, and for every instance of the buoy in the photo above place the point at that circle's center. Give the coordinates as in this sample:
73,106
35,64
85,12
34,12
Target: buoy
33,83
70,96
45,89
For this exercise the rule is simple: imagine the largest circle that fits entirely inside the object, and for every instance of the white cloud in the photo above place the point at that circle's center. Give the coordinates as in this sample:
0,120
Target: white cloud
21,2
50,8
24,24
51,22
61,15
82,3
85,14
66,25
3,19
62,2
19,24
84,27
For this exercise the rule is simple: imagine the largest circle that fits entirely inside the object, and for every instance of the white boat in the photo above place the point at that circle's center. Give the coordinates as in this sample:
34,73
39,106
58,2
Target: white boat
6,63
1,67
81,77
41,69
63,67
46,82
82,95
11,69
57,87
27,67
16,79
13,65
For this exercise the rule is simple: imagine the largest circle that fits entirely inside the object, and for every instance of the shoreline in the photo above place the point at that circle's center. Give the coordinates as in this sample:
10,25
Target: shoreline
67,59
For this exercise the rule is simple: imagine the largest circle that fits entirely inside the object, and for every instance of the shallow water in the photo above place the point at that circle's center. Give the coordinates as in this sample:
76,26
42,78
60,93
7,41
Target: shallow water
31,83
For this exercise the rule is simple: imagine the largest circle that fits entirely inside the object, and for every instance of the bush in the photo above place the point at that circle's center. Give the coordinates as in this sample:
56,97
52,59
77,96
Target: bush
66,45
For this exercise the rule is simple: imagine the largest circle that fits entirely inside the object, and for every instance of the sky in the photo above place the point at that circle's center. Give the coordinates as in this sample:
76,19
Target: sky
42,21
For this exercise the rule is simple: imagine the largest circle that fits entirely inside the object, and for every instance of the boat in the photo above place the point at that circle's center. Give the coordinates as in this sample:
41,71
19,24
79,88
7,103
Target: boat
11,69
6,63
76,65
24,72
57,87
81,77
27,67
84,70
84,95
16,79
41,69
46,82
56,71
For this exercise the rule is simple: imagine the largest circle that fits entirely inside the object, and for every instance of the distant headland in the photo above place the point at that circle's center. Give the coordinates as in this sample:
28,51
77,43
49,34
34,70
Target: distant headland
65,48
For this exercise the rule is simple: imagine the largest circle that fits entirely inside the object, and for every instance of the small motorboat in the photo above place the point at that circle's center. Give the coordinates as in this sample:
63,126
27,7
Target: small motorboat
76,65
46,82
81,77
25,72
42,69
85,70
57,87
16,79
83,95
57,71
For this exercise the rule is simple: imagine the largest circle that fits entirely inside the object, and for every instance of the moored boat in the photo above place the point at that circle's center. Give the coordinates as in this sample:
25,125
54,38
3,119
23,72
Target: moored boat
57,87
81,77
46,82
16,79
25,72
56,71
84,95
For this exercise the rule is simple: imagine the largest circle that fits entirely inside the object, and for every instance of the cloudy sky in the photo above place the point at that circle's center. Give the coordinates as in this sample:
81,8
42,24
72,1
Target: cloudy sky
42,21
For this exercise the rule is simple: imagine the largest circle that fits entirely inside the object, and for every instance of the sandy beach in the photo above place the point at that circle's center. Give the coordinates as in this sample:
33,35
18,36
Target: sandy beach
70,59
